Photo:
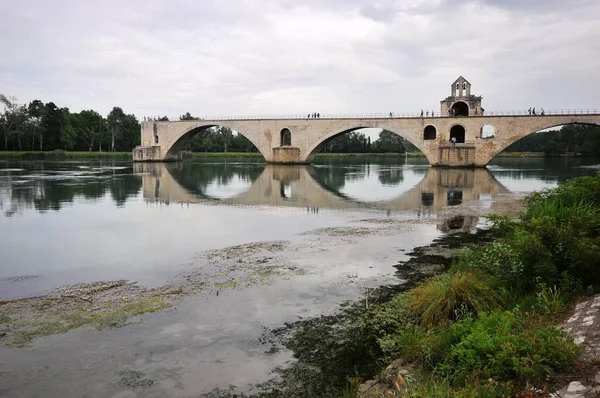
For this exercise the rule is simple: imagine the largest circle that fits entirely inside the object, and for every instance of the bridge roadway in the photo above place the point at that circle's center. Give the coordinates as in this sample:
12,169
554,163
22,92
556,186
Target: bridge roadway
297,141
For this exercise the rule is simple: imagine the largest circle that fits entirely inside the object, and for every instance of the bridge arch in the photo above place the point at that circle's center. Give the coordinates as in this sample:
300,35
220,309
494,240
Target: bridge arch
185,135
550,123
315,148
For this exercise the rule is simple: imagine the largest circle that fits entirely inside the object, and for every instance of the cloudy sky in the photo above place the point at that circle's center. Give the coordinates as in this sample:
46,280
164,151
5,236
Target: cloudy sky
273,57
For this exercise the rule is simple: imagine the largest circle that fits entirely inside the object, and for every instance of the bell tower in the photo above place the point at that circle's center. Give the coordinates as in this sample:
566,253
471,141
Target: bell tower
461,102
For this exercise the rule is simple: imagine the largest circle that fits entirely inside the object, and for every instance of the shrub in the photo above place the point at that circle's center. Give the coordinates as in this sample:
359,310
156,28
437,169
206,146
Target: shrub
391,317
473,389
498,346
445,297
497,259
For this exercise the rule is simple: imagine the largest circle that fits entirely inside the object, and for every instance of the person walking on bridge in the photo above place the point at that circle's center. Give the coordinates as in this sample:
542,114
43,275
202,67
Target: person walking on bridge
421,112
529,111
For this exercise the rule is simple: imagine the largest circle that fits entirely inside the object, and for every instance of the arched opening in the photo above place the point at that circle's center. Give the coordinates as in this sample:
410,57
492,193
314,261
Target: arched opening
155,138
456,222
286,137
210,138
454,197
575,139
285,190
488,131
460,109
427,198
457,134
429,133
363,139
214,181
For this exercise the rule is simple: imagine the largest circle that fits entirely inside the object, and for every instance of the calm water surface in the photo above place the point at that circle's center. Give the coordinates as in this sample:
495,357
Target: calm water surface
77,221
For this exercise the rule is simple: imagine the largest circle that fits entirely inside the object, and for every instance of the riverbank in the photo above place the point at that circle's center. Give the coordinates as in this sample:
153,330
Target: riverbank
499,321
60,155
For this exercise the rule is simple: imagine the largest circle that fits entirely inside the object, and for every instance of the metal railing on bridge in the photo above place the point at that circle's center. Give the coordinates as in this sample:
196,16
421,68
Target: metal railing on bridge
394,115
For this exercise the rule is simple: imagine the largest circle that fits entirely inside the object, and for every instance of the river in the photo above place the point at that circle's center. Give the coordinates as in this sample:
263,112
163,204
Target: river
260,245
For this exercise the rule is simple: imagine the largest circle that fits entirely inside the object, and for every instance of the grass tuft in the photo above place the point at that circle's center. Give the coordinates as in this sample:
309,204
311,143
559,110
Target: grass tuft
450,296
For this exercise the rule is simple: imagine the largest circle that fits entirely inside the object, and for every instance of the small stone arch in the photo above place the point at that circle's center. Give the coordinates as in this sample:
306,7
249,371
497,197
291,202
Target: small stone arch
429,132
488,131
458,132
286,137
459,108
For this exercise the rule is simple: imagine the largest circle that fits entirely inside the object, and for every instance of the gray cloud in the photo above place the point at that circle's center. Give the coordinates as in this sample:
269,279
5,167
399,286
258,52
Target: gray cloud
277,57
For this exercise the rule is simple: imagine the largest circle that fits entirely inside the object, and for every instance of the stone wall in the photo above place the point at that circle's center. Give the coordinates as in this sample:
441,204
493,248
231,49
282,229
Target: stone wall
147,154
286,154
458,155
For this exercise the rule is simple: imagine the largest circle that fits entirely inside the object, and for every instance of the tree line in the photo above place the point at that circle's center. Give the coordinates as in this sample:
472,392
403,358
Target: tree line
40,126
574,138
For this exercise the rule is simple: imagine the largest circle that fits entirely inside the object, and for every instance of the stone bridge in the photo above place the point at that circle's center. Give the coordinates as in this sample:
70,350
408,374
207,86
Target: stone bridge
296,141
299,187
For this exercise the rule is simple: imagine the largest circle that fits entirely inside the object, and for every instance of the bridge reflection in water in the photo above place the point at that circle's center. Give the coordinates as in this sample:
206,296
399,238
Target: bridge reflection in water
313,188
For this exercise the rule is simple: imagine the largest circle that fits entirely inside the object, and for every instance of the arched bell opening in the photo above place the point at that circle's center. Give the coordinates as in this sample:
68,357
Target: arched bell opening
460,109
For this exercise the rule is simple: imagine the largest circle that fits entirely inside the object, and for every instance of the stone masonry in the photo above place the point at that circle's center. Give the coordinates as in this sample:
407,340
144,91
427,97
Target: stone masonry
297,141
309,135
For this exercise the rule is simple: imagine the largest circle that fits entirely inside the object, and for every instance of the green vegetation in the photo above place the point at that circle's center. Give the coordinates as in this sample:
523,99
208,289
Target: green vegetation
490,318
444,298
113,316
60,154
574,138
46,127
484,328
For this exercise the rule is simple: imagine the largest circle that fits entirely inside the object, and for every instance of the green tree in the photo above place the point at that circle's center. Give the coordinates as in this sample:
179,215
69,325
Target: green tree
13,120
390,142
115,125
187,116
90,126
35,111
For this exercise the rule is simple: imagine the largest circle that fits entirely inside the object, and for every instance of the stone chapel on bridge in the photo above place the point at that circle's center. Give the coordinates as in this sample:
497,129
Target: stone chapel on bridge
461,102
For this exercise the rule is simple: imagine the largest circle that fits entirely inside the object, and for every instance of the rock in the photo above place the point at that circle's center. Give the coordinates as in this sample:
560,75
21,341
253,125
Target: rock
577,387
366,386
